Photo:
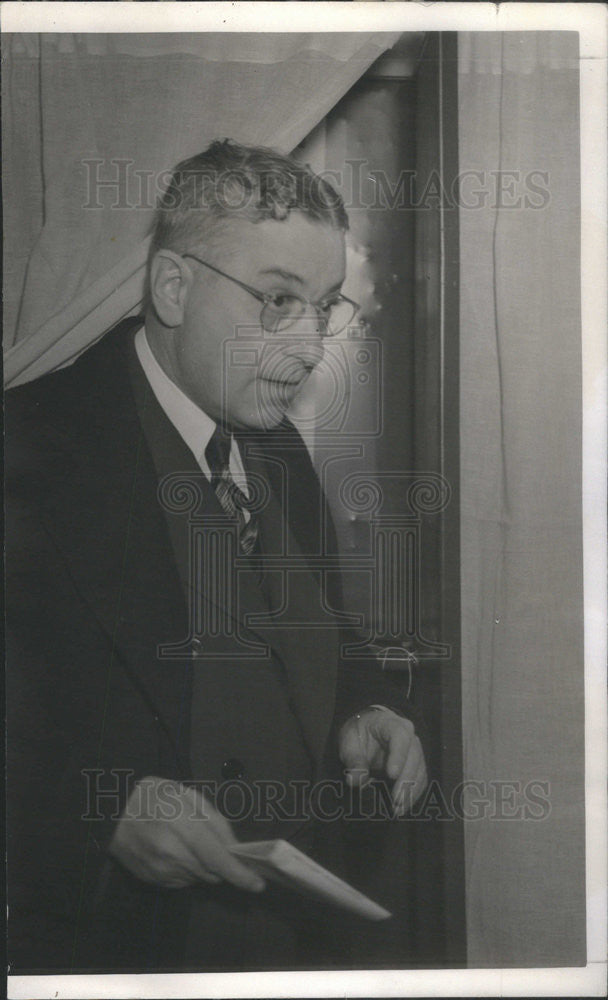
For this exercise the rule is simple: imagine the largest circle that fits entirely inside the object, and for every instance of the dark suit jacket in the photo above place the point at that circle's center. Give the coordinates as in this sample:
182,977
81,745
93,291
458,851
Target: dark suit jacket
98,583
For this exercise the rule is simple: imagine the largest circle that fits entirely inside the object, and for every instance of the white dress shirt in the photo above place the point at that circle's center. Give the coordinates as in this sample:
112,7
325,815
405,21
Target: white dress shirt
193,425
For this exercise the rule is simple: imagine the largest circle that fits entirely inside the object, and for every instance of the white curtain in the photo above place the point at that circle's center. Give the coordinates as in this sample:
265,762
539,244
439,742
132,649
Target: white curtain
522,600
125,108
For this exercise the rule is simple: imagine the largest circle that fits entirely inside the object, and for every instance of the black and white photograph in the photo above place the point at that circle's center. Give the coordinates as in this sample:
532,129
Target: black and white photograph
305,549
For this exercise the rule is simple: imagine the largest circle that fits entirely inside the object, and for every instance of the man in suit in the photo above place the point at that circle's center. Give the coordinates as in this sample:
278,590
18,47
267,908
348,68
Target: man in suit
177,683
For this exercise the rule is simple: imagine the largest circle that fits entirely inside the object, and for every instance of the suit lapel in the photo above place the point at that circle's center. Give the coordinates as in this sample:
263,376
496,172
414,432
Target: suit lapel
241,597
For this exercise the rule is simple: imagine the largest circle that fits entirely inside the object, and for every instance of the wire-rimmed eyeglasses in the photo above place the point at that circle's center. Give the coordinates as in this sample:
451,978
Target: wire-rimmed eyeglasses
280,310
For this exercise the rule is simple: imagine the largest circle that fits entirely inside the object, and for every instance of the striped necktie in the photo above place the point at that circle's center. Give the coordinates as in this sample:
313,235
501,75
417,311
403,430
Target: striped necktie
232,499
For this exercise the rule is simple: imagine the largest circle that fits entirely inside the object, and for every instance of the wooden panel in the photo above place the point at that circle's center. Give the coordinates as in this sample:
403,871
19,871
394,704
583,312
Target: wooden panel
436,436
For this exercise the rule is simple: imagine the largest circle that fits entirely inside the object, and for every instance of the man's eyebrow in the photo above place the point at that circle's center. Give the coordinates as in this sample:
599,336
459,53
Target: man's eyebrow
281,273
292,276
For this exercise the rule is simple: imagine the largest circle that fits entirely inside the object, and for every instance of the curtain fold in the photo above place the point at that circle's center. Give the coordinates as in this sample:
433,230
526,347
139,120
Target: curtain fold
521,571
94,124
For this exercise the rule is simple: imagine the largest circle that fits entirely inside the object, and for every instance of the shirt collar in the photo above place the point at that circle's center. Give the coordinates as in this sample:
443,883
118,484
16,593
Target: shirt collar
192,423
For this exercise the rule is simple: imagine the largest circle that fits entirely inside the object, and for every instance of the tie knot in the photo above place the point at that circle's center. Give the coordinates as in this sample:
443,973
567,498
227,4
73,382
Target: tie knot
217,452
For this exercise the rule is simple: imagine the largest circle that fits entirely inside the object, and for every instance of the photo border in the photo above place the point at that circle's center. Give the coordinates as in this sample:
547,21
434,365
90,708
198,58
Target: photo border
589,20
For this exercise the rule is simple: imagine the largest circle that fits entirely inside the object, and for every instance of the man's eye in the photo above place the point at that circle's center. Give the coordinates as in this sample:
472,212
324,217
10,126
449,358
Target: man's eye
284,303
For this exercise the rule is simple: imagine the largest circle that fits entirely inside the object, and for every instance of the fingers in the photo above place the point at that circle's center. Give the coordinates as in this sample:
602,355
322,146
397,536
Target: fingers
411,781
175,861
400,736
207,836
353,752
382,741
211,848
177,872
217,861
154,854
191,846
375,741
358,775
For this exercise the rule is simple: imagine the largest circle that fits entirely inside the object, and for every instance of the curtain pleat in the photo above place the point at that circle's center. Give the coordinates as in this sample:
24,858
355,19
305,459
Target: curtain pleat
521,570
103,119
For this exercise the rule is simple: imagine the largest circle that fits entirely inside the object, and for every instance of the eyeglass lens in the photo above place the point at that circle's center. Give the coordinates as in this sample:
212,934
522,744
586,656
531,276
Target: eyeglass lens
280,314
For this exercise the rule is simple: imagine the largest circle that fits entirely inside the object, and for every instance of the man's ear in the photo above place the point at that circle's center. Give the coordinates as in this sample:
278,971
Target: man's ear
170,281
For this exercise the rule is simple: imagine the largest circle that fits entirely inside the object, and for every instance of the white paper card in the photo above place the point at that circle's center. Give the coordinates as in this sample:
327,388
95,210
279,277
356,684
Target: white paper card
281,862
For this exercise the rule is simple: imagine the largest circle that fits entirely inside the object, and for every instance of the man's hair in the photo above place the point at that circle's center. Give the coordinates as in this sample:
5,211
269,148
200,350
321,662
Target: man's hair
229,181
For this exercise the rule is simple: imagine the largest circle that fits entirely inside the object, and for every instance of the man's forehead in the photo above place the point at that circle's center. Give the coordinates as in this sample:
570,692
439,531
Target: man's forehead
294,249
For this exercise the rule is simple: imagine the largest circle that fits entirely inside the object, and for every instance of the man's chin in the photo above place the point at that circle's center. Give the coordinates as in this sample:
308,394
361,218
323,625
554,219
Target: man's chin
261,419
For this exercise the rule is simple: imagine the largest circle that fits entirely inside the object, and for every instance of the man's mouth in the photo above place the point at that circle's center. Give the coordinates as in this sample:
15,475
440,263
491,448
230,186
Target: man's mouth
289,383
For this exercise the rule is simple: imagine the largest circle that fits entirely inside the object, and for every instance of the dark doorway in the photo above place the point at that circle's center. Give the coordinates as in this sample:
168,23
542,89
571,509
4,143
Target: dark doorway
391,146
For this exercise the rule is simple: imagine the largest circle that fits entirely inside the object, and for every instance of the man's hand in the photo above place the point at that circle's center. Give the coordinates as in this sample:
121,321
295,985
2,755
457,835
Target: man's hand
171,836
379,742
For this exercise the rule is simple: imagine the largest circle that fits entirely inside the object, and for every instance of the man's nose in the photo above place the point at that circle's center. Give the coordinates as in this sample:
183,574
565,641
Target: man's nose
304,339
